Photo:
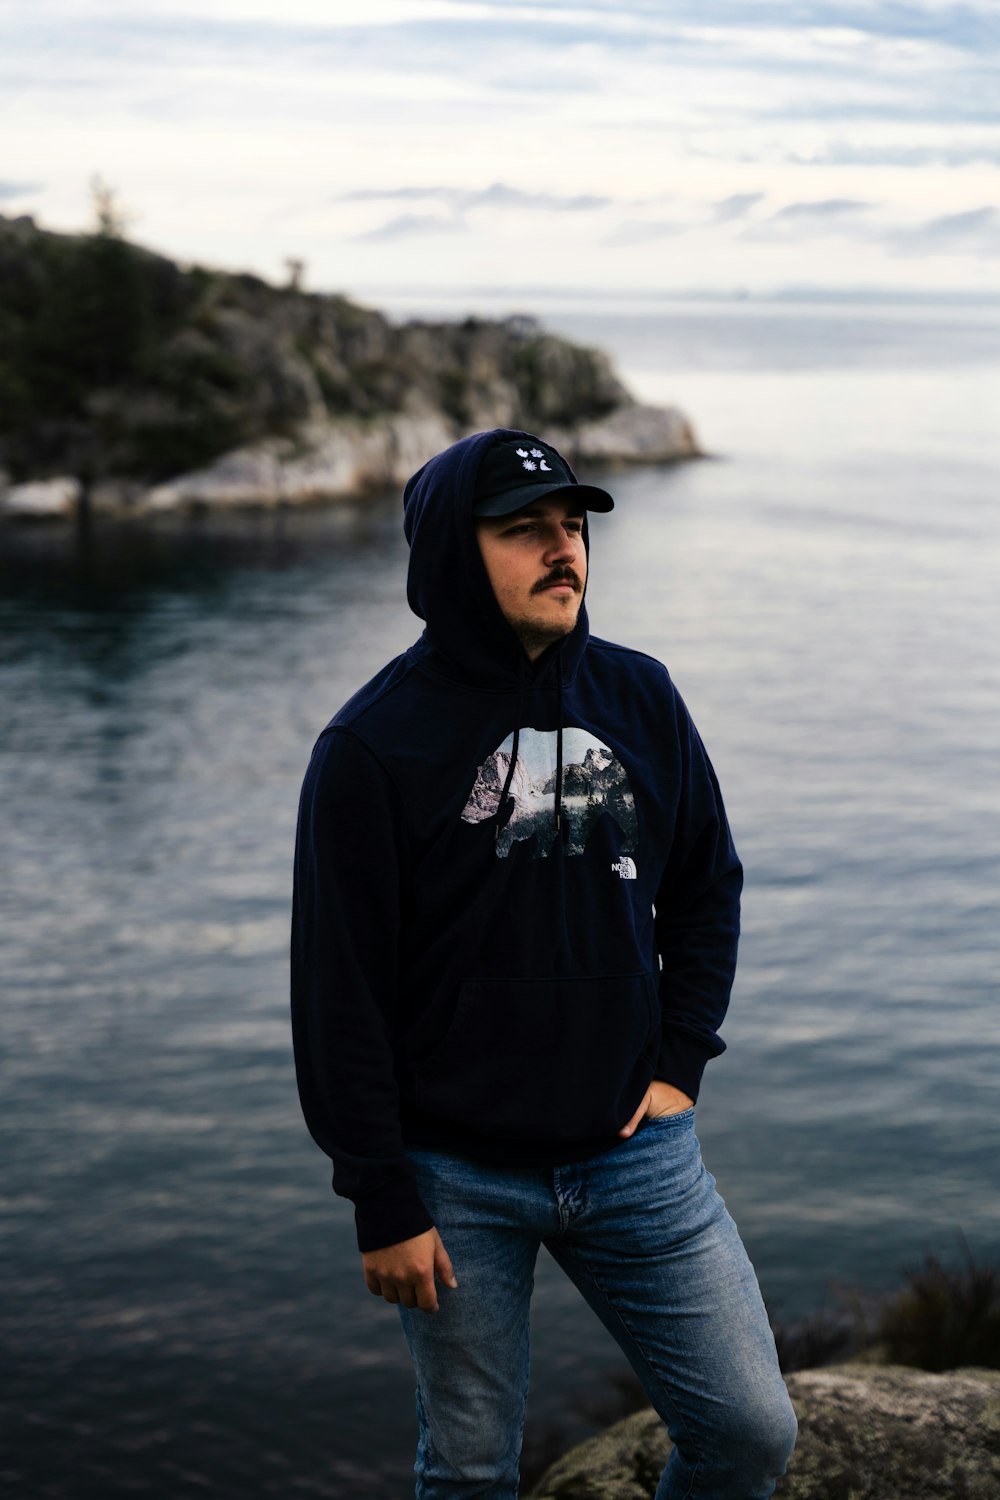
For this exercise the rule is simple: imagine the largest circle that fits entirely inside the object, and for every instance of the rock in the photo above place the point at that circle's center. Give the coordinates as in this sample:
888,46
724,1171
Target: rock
623,1463
115,497
330,460
866,1432
347,457
43,498
246,477
632,434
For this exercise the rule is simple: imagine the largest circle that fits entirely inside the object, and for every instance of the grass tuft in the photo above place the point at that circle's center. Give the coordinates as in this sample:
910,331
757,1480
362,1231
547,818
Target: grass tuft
944,1318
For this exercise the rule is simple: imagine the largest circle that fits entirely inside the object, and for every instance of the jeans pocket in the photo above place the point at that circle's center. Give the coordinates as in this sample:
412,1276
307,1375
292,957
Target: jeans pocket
677,1118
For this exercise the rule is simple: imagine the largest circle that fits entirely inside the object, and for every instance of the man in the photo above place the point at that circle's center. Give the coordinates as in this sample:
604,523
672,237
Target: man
514,936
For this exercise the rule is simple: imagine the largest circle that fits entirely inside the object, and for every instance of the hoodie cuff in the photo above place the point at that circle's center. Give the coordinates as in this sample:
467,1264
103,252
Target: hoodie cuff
396,1213
682,1061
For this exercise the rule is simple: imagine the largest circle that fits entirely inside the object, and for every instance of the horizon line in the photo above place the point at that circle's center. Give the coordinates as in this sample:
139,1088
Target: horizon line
821,294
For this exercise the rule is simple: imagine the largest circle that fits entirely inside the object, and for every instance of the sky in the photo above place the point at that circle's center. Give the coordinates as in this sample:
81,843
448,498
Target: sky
635,148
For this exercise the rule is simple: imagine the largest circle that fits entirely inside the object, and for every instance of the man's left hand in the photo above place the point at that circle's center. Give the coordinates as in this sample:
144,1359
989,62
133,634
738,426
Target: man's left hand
660,1099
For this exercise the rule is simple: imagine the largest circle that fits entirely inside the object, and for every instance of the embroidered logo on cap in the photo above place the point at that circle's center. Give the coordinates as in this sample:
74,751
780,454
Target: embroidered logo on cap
528,458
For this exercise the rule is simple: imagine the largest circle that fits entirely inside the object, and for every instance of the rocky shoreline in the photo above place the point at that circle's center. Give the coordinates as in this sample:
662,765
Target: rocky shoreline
341,460
133,387
866,1432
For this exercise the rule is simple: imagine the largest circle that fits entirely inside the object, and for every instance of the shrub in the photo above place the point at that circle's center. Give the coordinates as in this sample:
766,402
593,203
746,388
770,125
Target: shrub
945,1318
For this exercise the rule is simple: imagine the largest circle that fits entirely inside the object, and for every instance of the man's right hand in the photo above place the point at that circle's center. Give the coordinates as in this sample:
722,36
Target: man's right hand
405,1272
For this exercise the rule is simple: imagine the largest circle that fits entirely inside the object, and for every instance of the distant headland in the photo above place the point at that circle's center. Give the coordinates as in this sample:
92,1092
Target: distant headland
130,385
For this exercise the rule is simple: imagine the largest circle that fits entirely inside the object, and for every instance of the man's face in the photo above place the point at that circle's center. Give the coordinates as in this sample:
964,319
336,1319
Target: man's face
537,565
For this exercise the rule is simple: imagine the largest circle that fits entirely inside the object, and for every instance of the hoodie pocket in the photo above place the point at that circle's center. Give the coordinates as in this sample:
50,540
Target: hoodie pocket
544,1059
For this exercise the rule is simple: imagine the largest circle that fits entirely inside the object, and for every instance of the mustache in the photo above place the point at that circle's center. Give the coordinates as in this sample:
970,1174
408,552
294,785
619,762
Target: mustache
563,574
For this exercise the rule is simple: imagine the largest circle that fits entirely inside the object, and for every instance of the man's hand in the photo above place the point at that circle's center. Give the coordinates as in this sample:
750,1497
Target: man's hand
405,1272
661,1099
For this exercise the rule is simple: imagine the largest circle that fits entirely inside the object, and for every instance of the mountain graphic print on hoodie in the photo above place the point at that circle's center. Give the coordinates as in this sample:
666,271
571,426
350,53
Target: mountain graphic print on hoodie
516,895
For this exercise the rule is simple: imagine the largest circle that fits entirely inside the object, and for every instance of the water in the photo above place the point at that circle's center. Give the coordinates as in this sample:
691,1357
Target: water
181,1310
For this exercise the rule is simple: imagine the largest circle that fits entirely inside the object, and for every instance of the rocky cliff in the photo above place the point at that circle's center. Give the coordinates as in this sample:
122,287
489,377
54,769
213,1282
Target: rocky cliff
147,386
866,1432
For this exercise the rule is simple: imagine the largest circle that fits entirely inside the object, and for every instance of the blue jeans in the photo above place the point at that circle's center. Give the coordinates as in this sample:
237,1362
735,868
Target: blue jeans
647,1240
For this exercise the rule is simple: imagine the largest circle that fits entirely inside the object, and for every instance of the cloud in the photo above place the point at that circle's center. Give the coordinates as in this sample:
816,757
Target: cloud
459,203
644,231
811,220
408,194
734,207
219,119
408,226
498,194
974,232
824,208
9,189
577,203
957,101
794,221
848,154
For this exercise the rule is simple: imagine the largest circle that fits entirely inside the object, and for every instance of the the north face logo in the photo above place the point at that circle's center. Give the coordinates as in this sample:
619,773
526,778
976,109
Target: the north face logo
625,867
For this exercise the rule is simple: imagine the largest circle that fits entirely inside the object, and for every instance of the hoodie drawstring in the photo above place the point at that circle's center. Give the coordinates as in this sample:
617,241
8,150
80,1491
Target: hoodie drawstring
559,745
497,824
499,821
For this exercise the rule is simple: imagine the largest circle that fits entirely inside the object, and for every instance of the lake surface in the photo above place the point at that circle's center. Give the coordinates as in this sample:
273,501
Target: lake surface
181,1310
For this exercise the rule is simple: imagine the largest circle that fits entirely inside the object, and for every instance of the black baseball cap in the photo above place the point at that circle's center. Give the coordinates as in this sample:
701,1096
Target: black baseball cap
516,472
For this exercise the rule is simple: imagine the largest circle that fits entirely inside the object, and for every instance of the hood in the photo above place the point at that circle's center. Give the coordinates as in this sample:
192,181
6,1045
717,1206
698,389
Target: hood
466,635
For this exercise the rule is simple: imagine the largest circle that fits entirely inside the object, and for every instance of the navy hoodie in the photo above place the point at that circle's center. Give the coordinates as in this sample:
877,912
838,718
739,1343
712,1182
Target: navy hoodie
516,895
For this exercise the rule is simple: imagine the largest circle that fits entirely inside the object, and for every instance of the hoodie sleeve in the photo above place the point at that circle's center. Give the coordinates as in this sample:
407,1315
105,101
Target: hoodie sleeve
697,918
350,850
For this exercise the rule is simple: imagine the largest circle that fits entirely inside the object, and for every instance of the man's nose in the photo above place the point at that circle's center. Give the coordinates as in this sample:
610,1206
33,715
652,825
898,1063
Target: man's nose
560,548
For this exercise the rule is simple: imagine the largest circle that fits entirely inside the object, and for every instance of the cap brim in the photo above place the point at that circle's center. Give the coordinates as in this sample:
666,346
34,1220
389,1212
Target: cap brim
509,501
